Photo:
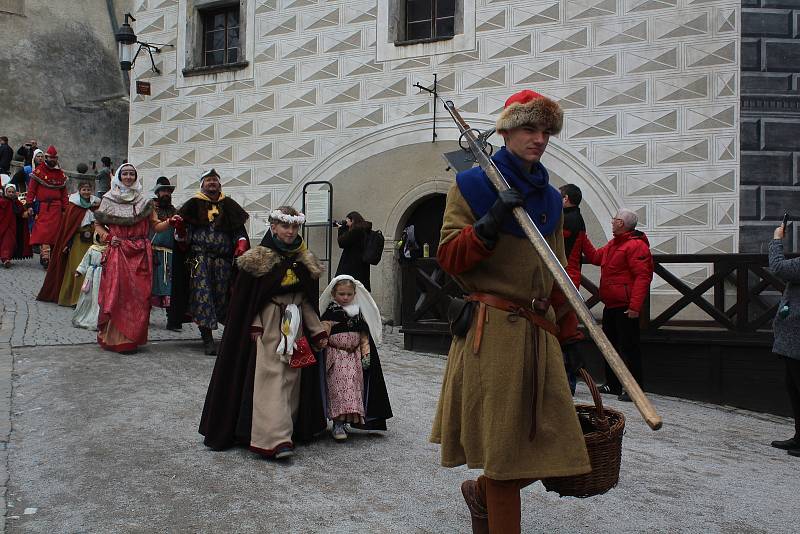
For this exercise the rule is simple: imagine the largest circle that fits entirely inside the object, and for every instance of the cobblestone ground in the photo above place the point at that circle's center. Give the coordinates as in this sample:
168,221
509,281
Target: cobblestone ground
101,442
45,323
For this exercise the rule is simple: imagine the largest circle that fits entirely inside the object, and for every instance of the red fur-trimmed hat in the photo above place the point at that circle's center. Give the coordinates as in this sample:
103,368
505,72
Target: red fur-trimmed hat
529,108
51,151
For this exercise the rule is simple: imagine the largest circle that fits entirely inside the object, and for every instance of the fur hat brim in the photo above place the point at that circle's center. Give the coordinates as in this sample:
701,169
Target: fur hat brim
542,113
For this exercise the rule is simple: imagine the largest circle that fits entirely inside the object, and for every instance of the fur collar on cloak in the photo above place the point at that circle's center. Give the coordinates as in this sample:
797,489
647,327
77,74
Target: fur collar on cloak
128,214
231,215
543,202
51,178
260,260
228,408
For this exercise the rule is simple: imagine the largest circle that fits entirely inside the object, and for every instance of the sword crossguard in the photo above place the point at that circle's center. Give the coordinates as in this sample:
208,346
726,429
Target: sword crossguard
480,138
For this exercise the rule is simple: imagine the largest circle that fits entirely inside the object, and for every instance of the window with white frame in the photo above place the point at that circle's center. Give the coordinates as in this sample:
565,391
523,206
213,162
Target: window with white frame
429,19
220,36
414,28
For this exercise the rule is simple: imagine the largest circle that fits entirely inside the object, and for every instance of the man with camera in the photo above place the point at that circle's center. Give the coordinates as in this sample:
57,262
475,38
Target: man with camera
26,151
353,230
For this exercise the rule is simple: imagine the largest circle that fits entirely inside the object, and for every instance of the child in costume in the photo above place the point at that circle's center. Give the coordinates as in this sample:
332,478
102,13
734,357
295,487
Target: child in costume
91,269
354,384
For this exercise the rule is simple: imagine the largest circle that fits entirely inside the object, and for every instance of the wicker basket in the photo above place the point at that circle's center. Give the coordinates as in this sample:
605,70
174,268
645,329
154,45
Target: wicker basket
602,430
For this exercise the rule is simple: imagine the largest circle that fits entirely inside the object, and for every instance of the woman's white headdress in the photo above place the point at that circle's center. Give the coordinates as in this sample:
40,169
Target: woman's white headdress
120,192
369,310
279,216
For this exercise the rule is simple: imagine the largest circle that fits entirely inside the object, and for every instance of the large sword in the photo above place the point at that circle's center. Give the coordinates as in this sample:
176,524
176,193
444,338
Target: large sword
476,143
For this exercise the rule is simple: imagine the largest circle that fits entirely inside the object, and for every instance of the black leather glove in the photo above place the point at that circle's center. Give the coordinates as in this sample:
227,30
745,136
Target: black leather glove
488,227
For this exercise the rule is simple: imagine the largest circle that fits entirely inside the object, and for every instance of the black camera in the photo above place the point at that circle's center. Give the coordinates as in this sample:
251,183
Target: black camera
339,223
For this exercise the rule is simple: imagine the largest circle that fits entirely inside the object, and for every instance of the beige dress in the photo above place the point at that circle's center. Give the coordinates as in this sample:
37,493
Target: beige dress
276,386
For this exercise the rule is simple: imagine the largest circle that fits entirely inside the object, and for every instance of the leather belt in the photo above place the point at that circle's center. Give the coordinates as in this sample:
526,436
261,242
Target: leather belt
532,313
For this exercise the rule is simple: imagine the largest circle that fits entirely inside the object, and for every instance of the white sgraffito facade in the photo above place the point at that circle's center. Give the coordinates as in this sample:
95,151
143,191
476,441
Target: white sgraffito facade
650,90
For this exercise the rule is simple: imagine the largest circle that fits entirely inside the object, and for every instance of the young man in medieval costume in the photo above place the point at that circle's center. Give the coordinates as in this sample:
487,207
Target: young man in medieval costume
22,250
258,396
212,234
163,244
73,240
505,405
48,186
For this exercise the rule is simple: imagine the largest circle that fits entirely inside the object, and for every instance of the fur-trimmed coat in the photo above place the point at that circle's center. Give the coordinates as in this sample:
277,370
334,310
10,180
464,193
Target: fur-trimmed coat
228,410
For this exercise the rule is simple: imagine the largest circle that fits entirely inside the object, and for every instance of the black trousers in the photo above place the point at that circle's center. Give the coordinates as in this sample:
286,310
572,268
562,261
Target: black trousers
623,333
793,385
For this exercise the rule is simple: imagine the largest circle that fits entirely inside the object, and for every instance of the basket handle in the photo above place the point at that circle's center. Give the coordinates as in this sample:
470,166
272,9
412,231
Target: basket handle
598,400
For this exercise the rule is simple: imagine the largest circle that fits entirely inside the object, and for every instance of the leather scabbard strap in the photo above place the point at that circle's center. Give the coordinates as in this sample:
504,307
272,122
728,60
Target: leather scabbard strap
522,310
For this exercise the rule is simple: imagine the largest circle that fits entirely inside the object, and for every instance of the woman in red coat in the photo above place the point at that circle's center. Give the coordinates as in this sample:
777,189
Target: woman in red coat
8,231
123,220
22,215
49,186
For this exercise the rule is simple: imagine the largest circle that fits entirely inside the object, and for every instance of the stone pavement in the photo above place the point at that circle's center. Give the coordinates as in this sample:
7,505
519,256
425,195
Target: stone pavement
109,443
100,442
44,323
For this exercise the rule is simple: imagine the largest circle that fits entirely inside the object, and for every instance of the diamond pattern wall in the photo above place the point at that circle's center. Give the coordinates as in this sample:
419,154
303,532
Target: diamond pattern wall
650,89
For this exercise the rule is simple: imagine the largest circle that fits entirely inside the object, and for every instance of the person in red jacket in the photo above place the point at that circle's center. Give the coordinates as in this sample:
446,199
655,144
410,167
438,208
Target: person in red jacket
626,270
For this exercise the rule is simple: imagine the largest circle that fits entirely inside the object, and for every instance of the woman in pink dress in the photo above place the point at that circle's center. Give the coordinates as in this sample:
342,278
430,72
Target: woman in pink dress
123,221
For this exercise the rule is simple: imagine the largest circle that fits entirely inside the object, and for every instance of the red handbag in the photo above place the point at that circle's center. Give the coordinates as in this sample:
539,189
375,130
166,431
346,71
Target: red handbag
302,356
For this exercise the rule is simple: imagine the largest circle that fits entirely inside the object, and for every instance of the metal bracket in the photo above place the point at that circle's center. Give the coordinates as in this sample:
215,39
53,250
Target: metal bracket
433,91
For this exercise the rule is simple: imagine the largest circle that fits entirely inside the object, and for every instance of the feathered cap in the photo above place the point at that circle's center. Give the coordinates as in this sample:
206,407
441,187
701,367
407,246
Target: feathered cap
529,108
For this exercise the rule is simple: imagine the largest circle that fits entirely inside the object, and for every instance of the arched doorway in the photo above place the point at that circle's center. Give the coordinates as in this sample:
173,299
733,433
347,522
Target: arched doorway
426,217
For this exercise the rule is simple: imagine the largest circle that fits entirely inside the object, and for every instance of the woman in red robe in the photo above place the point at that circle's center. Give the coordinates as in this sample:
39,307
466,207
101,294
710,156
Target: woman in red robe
8,231
49,186
124,220
22,215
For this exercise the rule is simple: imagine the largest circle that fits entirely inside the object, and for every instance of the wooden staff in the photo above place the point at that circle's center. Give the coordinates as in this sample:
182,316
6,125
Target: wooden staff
562,280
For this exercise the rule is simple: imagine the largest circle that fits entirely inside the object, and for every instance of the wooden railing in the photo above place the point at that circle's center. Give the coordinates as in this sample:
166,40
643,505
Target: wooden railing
744,301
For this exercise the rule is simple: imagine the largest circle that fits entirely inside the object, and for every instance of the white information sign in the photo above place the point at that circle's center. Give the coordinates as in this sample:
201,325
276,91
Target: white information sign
317,209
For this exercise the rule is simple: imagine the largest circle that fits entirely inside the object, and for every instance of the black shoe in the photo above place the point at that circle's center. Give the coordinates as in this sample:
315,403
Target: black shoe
624,397
786,444
794,452
175,327
210,348
605,388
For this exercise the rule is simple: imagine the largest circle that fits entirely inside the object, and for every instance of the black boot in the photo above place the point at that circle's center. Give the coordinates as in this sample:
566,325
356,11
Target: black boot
209,348
786,444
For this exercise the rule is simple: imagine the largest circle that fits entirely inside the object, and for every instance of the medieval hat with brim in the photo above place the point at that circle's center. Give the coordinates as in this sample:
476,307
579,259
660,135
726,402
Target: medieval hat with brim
163,183
529,108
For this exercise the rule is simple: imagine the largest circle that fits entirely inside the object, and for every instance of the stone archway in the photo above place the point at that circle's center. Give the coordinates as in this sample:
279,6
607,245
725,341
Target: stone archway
601,200
385,173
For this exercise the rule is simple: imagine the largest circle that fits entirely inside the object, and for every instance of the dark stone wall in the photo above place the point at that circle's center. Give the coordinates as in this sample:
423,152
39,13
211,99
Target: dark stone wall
61,81
770,120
